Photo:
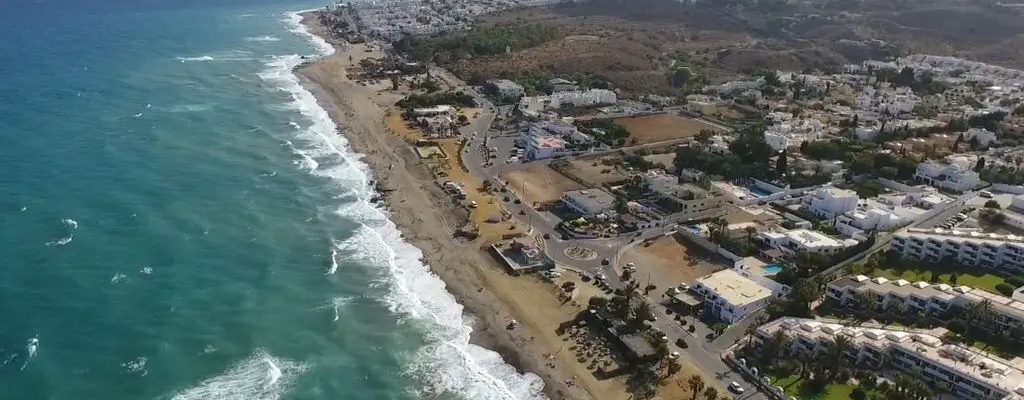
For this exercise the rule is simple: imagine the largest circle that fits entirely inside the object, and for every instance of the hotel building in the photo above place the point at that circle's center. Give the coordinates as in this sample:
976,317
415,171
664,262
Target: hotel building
968,373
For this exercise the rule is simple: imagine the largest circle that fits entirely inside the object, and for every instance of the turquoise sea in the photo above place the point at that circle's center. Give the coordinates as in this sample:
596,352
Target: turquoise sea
179,220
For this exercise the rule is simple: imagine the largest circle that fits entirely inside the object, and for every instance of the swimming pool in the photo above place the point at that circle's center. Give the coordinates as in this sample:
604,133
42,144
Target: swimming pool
772,269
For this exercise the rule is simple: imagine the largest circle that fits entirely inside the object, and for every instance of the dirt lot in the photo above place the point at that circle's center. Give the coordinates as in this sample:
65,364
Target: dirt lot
666,159
540,183
660,127
593,170
660,261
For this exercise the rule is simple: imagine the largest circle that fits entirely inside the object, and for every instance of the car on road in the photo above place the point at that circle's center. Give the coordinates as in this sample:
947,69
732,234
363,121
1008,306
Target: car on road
985,194
736,388
472,204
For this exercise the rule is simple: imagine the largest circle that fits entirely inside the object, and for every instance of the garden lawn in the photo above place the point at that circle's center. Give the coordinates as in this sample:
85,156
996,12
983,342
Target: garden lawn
986,282
794,387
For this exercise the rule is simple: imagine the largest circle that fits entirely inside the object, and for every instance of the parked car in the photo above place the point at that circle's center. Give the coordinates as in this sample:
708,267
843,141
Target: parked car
736,388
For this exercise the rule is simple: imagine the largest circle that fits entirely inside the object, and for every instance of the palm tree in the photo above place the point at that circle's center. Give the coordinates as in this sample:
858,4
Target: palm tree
672,367
710,393
643,311
751,232
837,355
696,384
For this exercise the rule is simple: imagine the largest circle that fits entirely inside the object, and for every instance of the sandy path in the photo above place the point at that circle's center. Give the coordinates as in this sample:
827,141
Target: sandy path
471,275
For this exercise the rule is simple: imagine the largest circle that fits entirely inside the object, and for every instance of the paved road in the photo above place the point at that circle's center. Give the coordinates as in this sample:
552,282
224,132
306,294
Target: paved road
703,354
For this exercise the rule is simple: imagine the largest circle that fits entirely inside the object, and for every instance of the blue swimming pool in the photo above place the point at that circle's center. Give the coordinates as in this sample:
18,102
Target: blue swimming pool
772,269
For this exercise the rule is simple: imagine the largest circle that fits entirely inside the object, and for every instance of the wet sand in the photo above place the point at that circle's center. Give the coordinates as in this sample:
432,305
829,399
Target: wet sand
425,214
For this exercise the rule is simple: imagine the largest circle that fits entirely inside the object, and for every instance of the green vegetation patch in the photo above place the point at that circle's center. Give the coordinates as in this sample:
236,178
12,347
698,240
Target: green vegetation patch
963,277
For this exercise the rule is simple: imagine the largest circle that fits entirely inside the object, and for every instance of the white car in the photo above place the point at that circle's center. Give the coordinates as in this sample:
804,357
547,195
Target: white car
735,387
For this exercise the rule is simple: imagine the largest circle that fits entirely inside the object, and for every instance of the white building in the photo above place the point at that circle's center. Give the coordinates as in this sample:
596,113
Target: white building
953,176
983,137
730,296
680,202
589,202
936,300
508,89
829,202
860,222
445,110
796,241
987,250
969,373
544,140
578,98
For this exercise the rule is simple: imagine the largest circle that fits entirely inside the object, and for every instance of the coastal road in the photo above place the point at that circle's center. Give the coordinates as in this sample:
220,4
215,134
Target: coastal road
701,353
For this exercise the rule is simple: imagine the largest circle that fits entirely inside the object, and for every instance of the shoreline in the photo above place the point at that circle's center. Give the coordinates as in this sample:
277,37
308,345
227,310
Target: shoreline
419,209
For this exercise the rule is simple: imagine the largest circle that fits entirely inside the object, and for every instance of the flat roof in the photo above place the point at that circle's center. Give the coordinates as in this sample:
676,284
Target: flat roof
964,361
809,238
593,200
736,289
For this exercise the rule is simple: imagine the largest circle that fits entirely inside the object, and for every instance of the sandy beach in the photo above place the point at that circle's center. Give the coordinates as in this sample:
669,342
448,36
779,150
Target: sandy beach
424,214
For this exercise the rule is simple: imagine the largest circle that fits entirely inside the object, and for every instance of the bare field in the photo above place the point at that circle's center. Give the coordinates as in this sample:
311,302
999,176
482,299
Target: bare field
671,260
593,171
539,183
661,127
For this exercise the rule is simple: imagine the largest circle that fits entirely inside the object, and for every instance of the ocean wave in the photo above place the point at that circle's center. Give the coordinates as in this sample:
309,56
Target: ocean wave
185,108
261,376
136,366
200,58
334,261
70,225
449,362
262,39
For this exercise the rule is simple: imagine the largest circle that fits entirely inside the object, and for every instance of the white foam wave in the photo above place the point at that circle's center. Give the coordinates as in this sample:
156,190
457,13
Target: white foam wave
118,278
184,108
70,225
30,351
334,262
262,39
294,21
261,376
449,363
136,366
200,58
146,271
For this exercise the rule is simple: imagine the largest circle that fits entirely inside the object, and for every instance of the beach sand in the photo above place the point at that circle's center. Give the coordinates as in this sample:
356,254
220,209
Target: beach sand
427,216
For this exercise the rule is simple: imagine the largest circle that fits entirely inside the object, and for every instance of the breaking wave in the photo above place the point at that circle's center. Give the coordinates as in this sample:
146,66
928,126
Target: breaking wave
262,39
449,363
261,376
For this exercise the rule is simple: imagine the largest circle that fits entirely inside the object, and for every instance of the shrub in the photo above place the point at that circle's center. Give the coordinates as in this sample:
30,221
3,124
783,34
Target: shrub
1005,288
858,394
1015,281
992,204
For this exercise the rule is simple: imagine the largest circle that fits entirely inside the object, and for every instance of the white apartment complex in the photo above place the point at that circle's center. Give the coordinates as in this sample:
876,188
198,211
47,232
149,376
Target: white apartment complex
731,296
969,373
859,222
923,298
986,250
576,98
550,139
508,89
795,241
829,202
956,176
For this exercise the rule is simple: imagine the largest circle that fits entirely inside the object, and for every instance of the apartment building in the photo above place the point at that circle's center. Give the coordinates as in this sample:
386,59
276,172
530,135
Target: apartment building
829,202
675,201
795,241
731,296
969,373
986,250
954,176
933,300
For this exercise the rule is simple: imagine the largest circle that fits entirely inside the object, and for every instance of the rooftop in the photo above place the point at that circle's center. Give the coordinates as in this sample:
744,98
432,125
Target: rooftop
736,289
807,238
993,371
592,200
940,234
925,290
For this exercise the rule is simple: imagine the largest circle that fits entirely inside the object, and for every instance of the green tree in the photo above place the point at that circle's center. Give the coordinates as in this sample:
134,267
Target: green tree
696,385
781,163
710,393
